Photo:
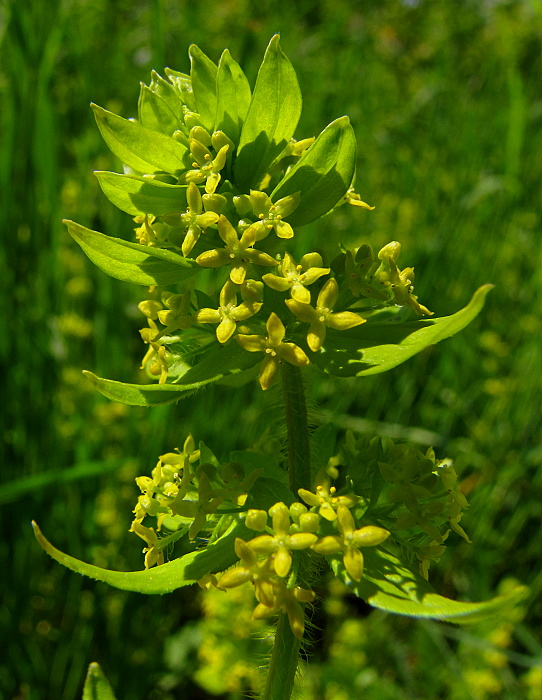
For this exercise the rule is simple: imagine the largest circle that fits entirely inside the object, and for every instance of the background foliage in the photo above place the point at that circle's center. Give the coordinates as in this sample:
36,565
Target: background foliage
446,103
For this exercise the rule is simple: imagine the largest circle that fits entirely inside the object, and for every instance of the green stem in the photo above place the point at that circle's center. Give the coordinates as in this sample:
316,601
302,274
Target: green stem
283,665
299,465
285,655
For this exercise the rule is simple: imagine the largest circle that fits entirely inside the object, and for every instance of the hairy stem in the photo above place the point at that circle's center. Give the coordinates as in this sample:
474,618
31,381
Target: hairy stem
284,659
299,468
283,666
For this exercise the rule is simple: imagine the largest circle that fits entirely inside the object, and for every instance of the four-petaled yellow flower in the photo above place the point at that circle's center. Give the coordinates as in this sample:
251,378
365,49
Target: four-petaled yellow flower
297,277
281,542
349,542
322,316
259,573
275,350
325,498
229,314
238,252
271,215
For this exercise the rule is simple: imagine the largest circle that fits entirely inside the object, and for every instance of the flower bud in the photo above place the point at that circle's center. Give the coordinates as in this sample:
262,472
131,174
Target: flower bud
256,520
309,522
234,577
370,536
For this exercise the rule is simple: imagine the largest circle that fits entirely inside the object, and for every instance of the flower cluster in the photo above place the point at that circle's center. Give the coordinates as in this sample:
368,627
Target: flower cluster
211,204
184,494
420,500
267,560
190,493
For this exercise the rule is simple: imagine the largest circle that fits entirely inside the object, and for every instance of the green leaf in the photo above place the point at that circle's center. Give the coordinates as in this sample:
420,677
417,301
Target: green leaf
322,175
140,195
374,348
168,93
183,87
155,114
96,685
258,460
265,492
220,362
271,120
323,441
203,74
131,262
233,97
389,585
161,579
141,149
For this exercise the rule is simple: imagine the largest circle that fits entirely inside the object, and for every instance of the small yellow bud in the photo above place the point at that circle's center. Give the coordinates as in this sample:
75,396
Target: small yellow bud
256,520
309,522
234,577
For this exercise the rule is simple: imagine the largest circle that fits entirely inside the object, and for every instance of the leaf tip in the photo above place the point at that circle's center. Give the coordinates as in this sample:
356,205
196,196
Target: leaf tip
274,44
90,376
38,534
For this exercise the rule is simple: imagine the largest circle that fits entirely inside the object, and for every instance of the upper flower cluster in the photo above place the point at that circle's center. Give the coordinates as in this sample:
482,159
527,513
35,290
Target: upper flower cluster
214,175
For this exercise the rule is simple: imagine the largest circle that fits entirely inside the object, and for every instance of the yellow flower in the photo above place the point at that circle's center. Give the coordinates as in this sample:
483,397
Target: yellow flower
275,350
271,215
322,316
260,574
238,252
325,498
153,554
229,314
349,541
205,167
281,542
297,277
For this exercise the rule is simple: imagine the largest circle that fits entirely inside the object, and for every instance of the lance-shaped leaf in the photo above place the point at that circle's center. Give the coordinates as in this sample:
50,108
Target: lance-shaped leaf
165,578
322,175
141,149
96,685
220,362
203,74
233,97
373,347
271,120
155,113
165,90
140,195
389,585
131,262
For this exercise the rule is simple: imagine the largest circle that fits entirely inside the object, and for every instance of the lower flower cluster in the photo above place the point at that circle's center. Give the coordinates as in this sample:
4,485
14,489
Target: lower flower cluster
388,489
266,560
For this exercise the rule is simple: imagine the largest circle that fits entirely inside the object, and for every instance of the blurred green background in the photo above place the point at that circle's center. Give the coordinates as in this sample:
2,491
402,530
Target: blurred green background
446,101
